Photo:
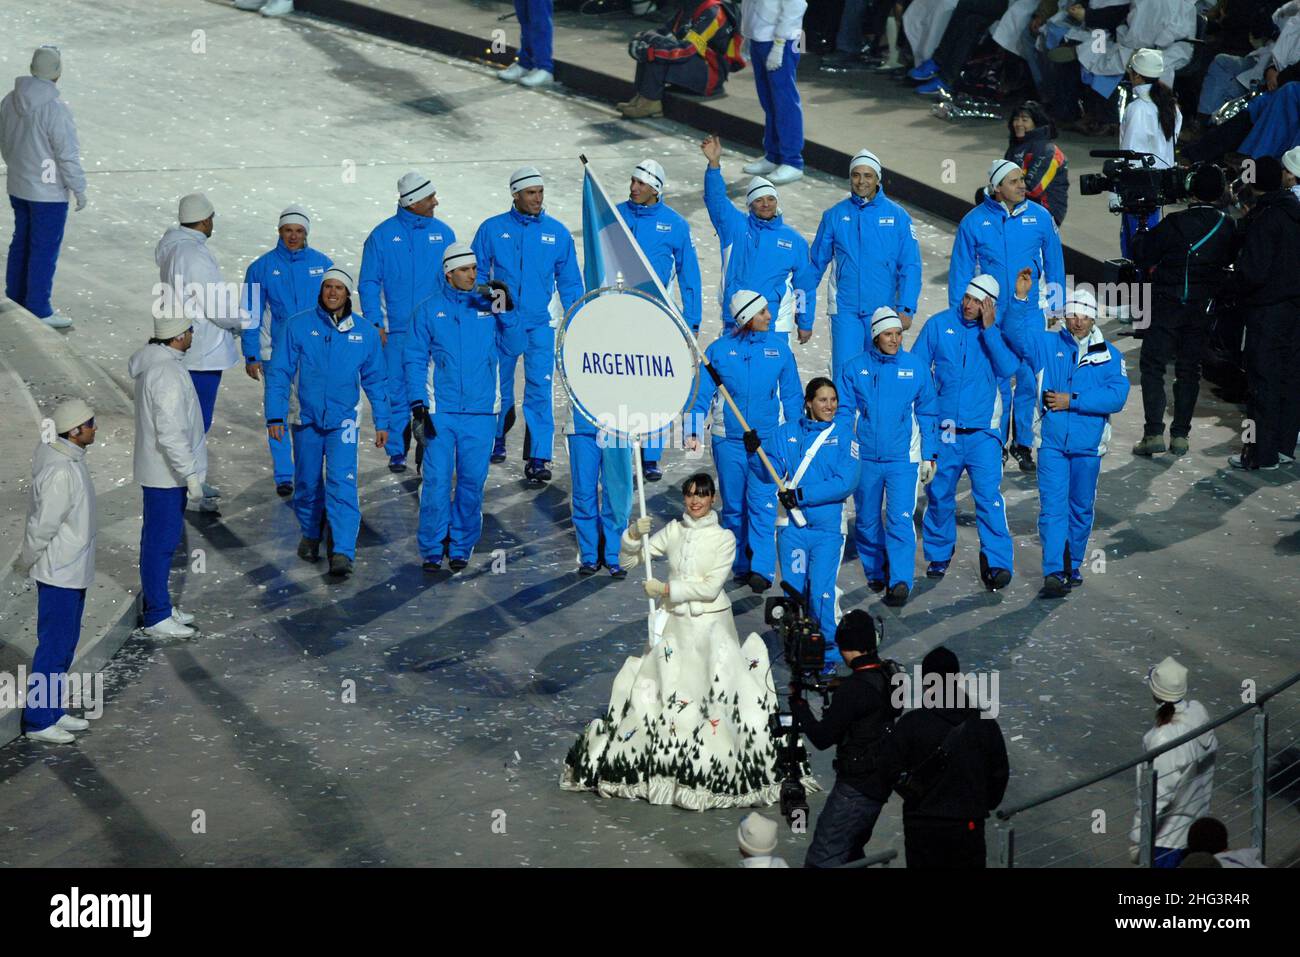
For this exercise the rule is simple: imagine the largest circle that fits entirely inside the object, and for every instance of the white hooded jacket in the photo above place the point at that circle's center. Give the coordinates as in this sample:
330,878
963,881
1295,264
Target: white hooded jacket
37,134
59,543
1184,775
699,553
766,20
169,441
192,286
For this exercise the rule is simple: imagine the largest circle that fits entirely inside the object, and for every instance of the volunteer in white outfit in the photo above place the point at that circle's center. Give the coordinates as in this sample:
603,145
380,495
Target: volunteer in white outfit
59,553
774,29
1185,774
757,839
1151,124
170,464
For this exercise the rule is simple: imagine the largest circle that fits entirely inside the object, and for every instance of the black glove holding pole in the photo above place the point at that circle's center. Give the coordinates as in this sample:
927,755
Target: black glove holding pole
751,441
422,429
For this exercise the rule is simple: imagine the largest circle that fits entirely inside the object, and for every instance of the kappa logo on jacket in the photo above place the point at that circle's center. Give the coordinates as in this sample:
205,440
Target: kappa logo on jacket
275,272
505,235
397,239
315,332
986,223
951,332
440,315
848,219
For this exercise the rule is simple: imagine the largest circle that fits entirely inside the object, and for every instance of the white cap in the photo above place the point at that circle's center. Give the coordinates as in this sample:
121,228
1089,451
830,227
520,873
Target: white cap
756,835
999,171
47,63
1291,160
295,215
650,173
338,275
758,188
194,208
458,255
884,319
982,287
1148,63
1080,302
865,158
170,327
71,413
746,304
1168,680
412,188
524,178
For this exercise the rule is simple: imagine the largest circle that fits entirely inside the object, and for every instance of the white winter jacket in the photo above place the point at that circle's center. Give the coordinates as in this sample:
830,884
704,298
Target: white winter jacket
59,544
765,20
38,141
169,441
1184,775
192,284
699,556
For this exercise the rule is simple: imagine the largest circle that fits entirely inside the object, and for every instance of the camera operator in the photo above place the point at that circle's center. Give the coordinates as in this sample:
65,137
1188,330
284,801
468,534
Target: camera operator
858,715
1186,258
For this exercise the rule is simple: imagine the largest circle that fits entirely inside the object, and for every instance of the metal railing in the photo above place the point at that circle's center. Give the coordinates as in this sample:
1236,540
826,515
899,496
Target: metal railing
1070,825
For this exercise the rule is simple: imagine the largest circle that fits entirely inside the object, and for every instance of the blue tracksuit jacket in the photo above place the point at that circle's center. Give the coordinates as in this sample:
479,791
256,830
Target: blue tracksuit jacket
279,284
894,403
665,238
991,240
877,258
533,256
401,264
968,360
759,371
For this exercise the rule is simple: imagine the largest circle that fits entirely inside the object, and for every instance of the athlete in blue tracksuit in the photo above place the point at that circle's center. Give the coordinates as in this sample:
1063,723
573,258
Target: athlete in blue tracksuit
330,355
600,467
759,251
759,371
533,254
460,330
401,264
278,284
999,236
965,350
872,243
1081,381
891,395
819,474
665,238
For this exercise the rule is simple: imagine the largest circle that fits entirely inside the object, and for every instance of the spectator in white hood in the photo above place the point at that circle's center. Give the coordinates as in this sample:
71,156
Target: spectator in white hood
37,138
171,462
59,553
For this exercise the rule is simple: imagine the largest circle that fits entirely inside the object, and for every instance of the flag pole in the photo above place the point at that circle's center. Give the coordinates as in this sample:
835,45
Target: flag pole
645,539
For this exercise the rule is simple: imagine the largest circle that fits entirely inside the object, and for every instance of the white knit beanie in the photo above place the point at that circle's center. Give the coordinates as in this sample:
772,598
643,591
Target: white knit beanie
525,177
865,158
746,304
71,413
650,173
193,208
457,256
1148,63
884,319
983,287
47,63
338,274
999,171
758,188
295,215
412,188
167,328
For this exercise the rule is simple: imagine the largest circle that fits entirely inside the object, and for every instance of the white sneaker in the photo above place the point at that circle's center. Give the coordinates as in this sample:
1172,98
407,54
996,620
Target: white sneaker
209,505
184,617
760,167
513,72
211,491
538,78
1285,459
56,321
249,4
69,723
784,174
51,735
169,628
278,8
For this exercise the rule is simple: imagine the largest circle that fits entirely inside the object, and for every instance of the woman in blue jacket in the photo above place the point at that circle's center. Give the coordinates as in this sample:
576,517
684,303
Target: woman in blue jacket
759,371
1081,381
816,457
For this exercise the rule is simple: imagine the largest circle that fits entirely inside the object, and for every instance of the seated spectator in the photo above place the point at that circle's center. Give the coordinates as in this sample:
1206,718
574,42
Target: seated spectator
1268,126
1209,835
1229,76
1033,148
757,839
924,23
1020,32
696,50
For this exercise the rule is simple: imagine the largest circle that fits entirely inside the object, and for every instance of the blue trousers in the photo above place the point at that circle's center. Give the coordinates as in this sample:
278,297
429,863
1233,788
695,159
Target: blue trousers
34,253
206,384
1221,84
979,454
535,33
325,484
463,447
281,452
778,94
843,828
810,558
850,337
1067,490
160,536
1022,398
397,401
1169,857
602,497
748,509
891,542
1128,227
58,627
538,344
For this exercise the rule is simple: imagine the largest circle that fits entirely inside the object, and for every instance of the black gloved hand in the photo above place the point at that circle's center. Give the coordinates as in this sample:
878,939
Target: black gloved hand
788,497
422,429
751,442
499,294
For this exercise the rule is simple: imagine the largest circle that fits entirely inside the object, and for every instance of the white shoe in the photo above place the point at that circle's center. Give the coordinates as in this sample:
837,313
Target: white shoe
513,72
56,321
211,505
184,617
538,78
69,723
278,8
169,628
760,167
51,735
249,4
1285,459
211,491
784,174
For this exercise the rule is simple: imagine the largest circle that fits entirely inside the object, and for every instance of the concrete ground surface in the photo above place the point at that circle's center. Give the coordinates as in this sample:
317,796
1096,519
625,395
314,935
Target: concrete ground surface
403,719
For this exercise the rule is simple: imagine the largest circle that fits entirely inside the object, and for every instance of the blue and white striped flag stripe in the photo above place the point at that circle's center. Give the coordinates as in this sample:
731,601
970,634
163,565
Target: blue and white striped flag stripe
609,248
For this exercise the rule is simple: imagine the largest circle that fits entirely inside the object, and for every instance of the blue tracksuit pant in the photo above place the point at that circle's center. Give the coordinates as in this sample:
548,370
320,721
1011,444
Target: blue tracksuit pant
1022,399
850,337
602,497
748,509
281,451
206,384
160,535
539,369
1067,489
779,96
58,627
463,446
979,454
810,558
34,253
325,484
535,32
888,543
396,390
